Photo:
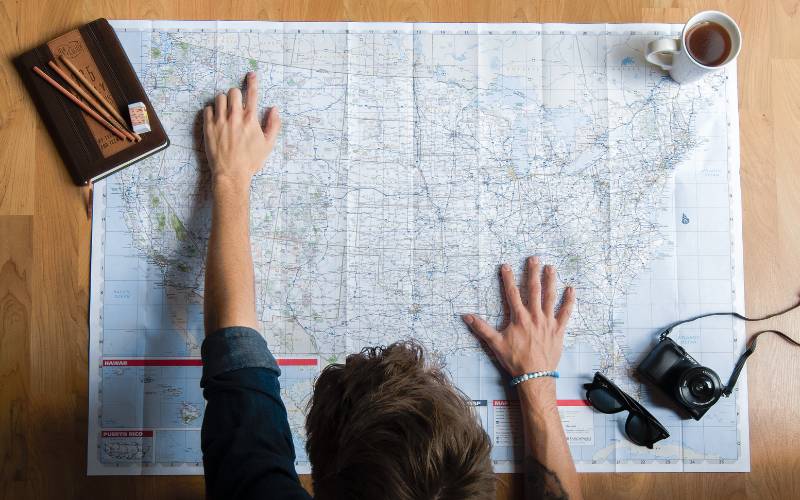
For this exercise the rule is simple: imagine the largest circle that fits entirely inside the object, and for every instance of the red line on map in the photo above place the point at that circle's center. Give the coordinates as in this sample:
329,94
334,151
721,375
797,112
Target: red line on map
297,361
197,362
153,362
573,402
561,402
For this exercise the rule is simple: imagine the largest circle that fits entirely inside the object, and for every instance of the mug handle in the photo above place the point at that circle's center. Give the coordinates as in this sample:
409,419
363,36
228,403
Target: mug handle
660,52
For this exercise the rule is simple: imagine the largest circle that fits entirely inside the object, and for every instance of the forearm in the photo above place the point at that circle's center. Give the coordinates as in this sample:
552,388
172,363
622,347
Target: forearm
230,283
549,469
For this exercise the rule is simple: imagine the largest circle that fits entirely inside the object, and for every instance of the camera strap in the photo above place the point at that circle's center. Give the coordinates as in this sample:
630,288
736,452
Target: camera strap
751,344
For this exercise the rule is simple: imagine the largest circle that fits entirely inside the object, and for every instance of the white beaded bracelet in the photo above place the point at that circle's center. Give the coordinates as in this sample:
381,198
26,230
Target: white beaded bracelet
528,376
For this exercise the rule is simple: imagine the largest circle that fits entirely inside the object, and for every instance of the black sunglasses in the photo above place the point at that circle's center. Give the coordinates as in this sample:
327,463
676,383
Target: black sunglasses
641,427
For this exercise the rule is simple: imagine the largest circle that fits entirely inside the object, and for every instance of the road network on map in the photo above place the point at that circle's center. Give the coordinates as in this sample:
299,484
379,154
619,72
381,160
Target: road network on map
413,160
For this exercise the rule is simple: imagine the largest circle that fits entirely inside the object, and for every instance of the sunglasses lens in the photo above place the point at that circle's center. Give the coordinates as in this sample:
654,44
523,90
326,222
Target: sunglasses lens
604,400
642,431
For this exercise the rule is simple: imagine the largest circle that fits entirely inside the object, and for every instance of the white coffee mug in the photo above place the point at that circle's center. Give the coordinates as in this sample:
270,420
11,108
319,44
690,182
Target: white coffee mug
671,54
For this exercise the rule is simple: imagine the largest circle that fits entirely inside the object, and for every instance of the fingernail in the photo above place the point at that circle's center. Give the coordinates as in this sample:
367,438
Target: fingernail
533,260
467,318
250,74
505,267
570,290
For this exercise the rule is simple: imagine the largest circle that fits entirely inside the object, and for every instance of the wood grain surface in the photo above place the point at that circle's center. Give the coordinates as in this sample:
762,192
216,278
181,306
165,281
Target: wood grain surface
44,241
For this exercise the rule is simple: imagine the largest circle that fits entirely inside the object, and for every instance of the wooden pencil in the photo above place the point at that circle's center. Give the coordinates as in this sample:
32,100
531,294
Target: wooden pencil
91,100
92,89
86,109
110,107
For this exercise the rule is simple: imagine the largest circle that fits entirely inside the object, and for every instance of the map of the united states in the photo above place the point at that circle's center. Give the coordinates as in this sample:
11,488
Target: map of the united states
411,163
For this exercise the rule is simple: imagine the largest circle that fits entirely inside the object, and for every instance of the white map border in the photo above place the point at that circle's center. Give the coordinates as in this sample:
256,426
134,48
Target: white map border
735,212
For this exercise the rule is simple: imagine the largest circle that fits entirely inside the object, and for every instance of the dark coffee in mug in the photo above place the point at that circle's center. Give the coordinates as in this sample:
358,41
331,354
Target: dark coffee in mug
708,43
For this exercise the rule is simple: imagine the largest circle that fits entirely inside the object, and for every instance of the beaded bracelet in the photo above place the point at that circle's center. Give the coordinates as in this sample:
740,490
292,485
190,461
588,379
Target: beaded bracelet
528,376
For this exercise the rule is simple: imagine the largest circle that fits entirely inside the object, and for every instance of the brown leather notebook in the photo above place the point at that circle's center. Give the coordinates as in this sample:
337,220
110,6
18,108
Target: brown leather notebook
89,150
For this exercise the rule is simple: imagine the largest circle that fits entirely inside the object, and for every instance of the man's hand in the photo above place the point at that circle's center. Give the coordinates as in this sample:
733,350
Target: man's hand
534,337
533,341
236,145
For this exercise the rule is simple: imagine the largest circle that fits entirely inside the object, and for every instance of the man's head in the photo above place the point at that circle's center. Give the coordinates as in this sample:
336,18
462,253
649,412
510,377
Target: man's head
387,424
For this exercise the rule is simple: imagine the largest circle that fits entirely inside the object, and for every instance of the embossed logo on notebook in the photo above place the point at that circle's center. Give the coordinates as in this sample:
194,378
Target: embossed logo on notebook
71,49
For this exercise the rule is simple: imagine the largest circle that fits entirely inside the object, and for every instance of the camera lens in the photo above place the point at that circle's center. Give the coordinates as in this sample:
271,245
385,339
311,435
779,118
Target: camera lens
699,386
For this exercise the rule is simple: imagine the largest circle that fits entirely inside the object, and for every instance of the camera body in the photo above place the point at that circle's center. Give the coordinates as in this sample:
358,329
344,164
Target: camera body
692,386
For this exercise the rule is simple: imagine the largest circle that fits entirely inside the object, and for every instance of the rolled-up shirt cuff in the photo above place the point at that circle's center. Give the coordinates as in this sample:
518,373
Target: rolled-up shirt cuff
234,348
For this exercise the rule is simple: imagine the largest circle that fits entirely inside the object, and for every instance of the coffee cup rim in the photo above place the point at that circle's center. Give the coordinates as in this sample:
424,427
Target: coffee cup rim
694,20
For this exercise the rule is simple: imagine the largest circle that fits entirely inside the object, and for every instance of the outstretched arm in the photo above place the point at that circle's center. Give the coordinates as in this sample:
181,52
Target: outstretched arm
237,147
533,341
246,440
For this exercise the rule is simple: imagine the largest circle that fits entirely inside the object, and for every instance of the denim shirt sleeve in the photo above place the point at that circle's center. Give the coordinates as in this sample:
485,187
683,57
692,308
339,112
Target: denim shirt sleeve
235,348
247,445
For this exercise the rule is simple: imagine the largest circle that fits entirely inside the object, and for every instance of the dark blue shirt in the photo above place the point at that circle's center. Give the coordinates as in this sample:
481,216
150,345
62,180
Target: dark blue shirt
246,441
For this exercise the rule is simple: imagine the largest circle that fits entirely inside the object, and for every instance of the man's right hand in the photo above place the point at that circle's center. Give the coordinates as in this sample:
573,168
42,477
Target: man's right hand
534,337
236,145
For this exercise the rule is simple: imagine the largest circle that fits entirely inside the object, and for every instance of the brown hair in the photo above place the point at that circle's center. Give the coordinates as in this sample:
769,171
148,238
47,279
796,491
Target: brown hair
387,424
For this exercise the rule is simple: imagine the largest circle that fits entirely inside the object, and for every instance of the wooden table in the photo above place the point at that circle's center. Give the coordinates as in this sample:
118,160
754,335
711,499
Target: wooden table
44,242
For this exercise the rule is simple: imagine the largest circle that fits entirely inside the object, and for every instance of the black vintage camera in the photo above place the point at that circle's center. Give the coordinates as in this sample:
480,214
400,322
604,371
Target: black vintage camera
694,387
